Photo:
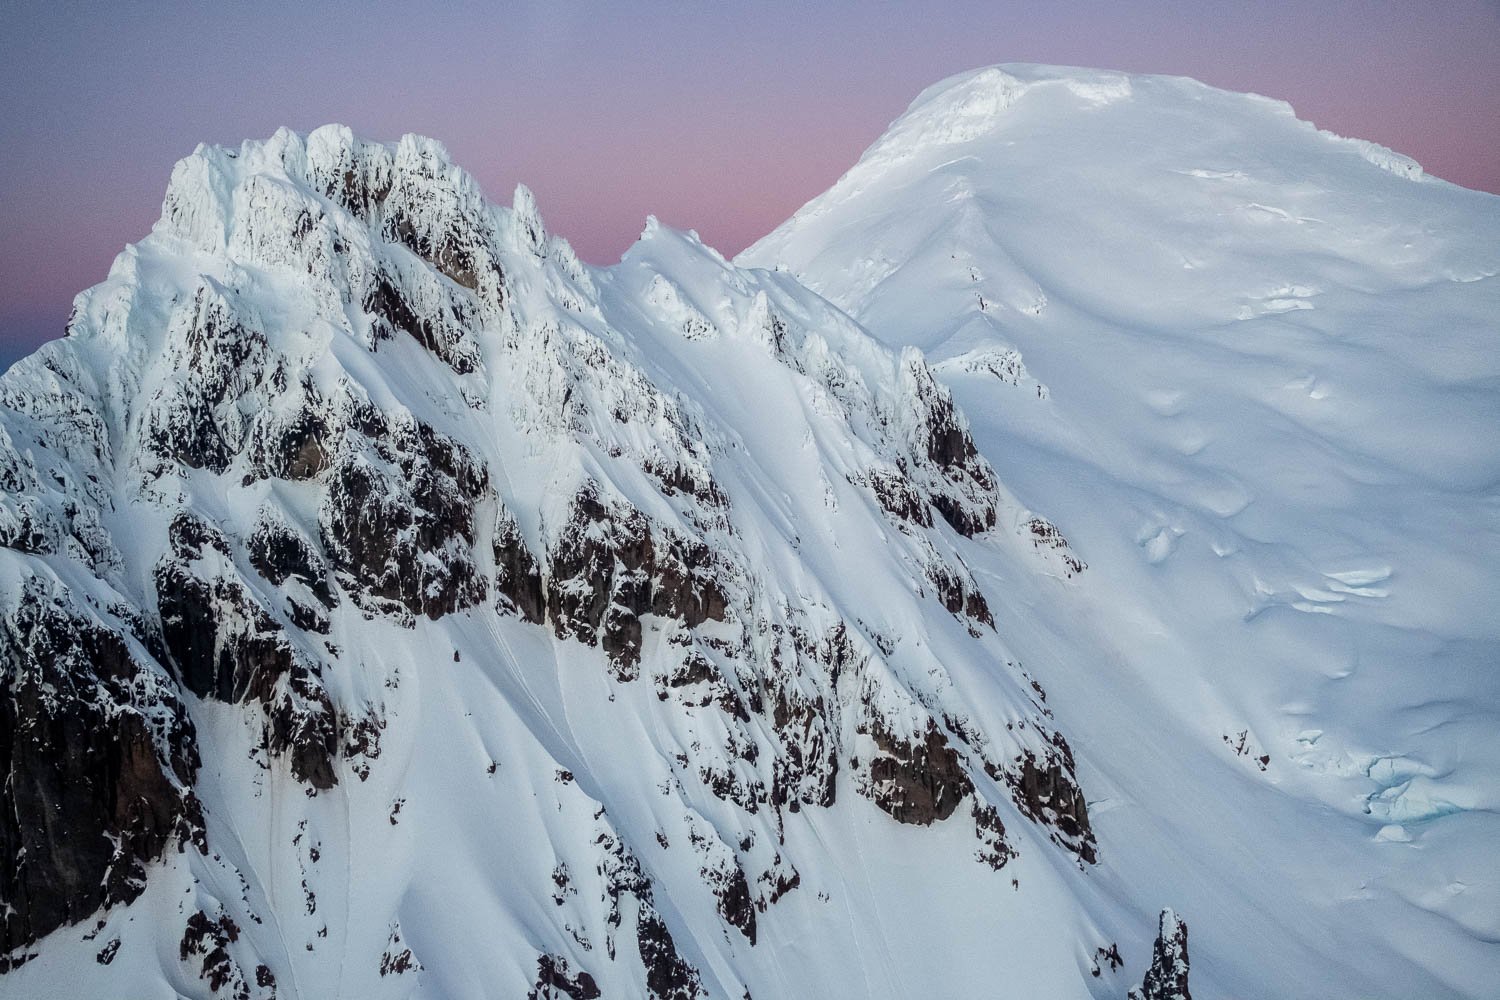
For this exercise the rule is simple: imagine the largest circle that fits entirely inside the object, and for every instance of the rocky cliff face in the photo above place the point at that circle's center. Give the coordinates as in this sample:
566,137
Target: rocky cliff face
1167,978
342,454
99,758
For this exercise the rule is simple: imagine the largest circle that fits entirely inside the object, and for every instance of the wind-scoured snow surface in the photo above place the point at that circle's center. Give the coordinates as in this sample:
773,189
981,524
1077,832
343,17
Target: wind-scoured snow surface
1252,371
394,606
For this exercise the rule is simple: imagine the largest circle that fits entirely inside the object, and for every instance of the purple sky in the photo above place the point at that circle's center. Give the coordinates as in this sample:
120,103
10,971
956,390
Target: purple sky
719,117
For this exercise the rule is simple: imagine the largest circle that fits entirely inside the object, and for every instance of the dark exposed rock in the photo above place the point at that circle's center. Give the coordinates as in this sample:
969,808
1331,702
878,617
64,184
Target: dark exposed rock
698,683
1241,746
1044,535
216,412
300,447
303,725
620,637
961,597
95,754
724,783
24,531
994,850
224,645
1167,978
210,938
668,975
361,741
915,781
611,565
696,669
898,498
1045,791
622,875
197,422
518,579
724,876
965,496
778,880
305,454
391,313
355,183
1109,956
806,770
553,981
963,520
398,519
677,478
397,959
307,618
948,443
456,253
190,628
562,882
211,665
733,895
279,553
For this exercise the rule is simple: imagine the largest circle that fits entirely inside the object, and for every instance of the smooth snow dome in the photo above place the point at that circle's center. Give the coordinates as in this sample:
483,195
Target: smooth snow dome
1250,371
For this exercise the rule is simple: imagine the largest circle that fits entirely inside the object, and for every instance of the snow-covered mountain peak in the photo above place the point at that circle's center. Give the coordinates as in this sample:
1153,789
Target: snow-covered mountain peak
393,605
527,219
331,180
1016,186
427,574
969,105
1250,368
996,104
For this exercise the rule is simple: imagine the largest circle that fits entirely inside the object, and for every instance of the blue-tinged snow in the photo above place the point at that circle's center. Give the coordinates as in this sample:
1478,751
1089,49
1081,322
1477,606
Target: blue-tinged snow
1250,370
1255,379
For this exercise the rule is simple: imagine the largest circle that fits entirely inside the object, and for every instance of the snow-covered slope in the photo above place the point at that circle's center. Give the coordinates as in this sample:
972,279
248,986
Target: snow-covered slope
395,606
392,605
1252,371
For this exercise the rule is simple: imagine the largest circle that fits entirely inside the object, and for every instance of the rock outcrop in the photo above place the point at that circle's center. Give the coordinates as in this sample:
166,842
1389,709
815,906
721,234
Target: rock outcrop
918,781
98,757
1167,978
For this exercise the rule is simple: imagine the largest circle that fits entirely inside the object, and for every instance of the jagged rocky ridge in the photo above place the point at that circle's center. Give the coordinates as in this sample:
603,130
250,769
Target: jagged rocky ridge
355,512
1167,977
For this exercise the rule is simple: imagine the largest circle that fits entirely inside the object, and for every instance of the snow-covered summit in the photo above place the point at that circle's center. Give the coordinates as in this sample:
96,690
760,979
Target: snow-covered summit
978,103
1100,157
1250,369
